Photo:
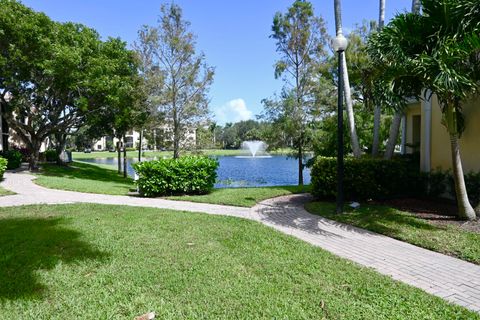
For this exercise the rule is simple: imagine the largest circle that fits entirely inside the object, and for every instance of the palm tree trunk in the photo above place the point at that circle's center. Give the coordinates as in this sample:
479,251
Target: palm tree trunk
465,209
393,135
377,116
346,84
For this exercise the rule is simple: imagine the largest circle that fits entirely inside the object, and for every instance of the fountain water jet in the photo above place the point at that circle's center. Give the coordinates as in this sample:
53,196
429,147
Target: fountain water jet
255,147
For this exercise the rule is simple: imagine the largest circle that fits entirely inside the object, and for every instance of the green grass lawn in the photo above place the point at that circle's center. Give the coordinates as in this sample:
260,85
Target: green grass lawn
5,192
160,154
404,226
242,197
84,177
95,178
88,261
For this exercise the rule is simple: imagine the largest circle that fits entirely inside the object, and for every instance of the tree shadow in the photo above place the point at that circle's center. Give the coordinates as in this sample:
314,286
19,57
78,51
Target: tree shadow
29,245
369,220
79,170
376,218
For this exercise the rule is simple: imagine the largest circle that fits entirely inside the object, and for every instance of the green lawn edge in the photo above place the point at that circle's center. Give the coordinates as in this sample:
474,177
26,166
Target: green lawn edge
242,197
92,261
446,239
161,154
103,179
5,192
84,177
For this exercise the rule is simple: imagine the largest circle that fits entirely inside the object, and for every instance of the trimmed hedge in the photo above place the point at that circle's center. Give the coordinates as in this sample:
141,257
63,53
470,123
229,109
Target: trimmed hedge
366,178
3,166
51,155
14,158
186,175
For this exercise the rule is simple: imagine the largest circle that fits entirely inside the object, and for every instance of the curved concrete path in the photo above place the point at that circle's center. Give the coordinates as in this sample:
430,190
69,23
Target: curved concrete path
452,279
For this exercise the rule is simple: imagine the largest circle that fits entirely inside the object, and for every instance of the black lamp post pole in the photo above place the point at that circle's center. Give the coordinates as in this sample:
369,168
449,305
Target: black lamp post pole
340,165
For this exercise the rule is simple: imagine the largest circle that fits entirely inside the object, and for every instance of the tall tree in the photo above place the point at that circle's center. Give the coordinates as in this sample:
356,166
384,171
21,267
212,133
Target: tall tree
440,50
182,95
44,67
300,38
378,107
346,84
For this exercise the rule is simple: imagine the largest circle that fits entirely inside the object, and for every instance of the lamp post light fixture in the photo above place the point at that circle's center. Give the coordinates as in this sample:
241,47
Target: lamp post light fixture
340,44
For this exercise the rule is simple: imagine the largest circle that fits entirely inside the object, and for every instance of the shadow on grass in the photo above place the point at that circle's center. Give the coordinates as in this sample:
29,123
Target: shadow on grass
379,219
79,170
30,245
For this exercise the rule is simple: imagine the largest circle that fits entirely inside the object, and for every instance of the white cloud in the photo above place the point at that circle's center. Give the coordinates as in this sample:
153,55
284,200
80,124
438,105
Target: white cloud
233,111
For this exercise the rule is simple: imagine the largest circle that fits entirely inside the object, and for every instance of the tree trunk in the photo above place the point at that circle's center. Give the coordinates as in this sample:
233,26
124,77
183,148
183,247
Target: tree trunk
34,155
346,84
465,209
377,116
376,130
124,159
119,162
176,140
393,135
60,146
140,147
300,165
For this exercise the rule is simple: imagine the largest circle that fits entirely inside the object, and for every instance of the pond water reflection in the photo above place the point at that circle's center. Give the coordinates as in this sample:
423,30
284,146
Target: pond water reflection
243,171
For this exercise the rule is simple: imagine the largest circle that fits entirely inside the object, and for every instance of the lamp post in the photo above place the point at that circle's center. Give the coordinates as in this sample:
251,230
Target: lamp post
340,44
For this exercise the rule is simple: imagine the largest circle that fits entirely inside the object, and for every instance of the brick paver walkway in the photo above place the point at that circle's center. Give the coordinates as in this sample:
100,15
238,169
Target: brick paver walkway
452,279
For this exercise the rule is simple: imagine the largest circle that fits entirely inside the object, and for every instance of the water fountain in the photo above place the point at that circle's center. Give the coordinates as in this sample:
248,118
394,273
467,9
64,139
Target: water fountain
256,149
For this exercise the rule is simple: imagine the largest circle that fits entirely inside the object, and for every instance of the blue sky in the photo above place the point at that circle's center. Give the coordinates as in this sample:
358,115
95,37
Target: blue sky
234,35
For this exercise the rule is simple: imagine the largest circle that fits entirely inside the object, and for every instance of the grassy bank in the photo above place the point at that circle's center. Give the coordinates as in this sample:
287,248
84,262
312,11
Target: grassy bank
98,262
5,192
104,179
84,177
447,239
242,197
161,154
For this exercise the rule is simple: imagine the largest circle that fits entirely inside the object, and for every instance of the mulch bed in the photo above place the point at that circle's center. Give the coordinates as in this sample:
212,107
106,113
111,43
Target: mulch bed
436,211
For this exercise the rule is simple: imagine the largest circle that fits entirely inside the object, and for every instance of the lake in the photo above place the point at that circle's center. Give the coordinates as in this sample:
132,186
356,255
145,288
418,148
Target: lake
235,172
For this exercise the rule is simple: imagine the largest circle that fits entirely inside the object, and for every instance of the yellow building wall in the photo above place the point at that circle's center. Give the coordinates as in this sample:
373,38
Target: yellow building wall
441,155
414,109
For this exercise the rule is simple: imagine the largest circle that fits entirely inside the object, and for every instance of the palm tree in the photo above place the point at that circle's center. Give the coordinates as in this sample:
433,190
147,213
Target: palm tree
346,84
378,110
397,117
439,50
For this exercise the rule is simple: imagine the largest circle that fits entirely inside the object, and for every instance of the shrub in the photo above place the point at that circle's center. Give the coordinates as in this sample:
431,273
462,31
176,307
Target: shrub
434,183
51,155
3,166
130,149
366,178
24,152
472,183
14,158
186,175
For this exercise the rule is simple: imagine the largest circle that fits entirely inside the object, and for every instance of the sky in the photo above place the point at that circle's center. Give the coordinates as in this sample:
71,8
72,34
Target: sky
234,35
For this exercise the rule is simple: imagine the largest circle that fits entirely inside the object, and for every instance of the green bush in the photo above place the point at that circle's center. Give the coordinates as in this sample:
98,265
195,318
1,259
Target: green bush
51,155
3,166
434,183
186,175
472,183
131,149
14,158
366,178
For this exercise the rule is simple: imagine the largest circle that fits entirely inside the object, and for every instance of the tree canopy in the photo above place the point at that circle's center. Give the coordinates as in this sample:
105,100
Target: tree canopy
54,77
